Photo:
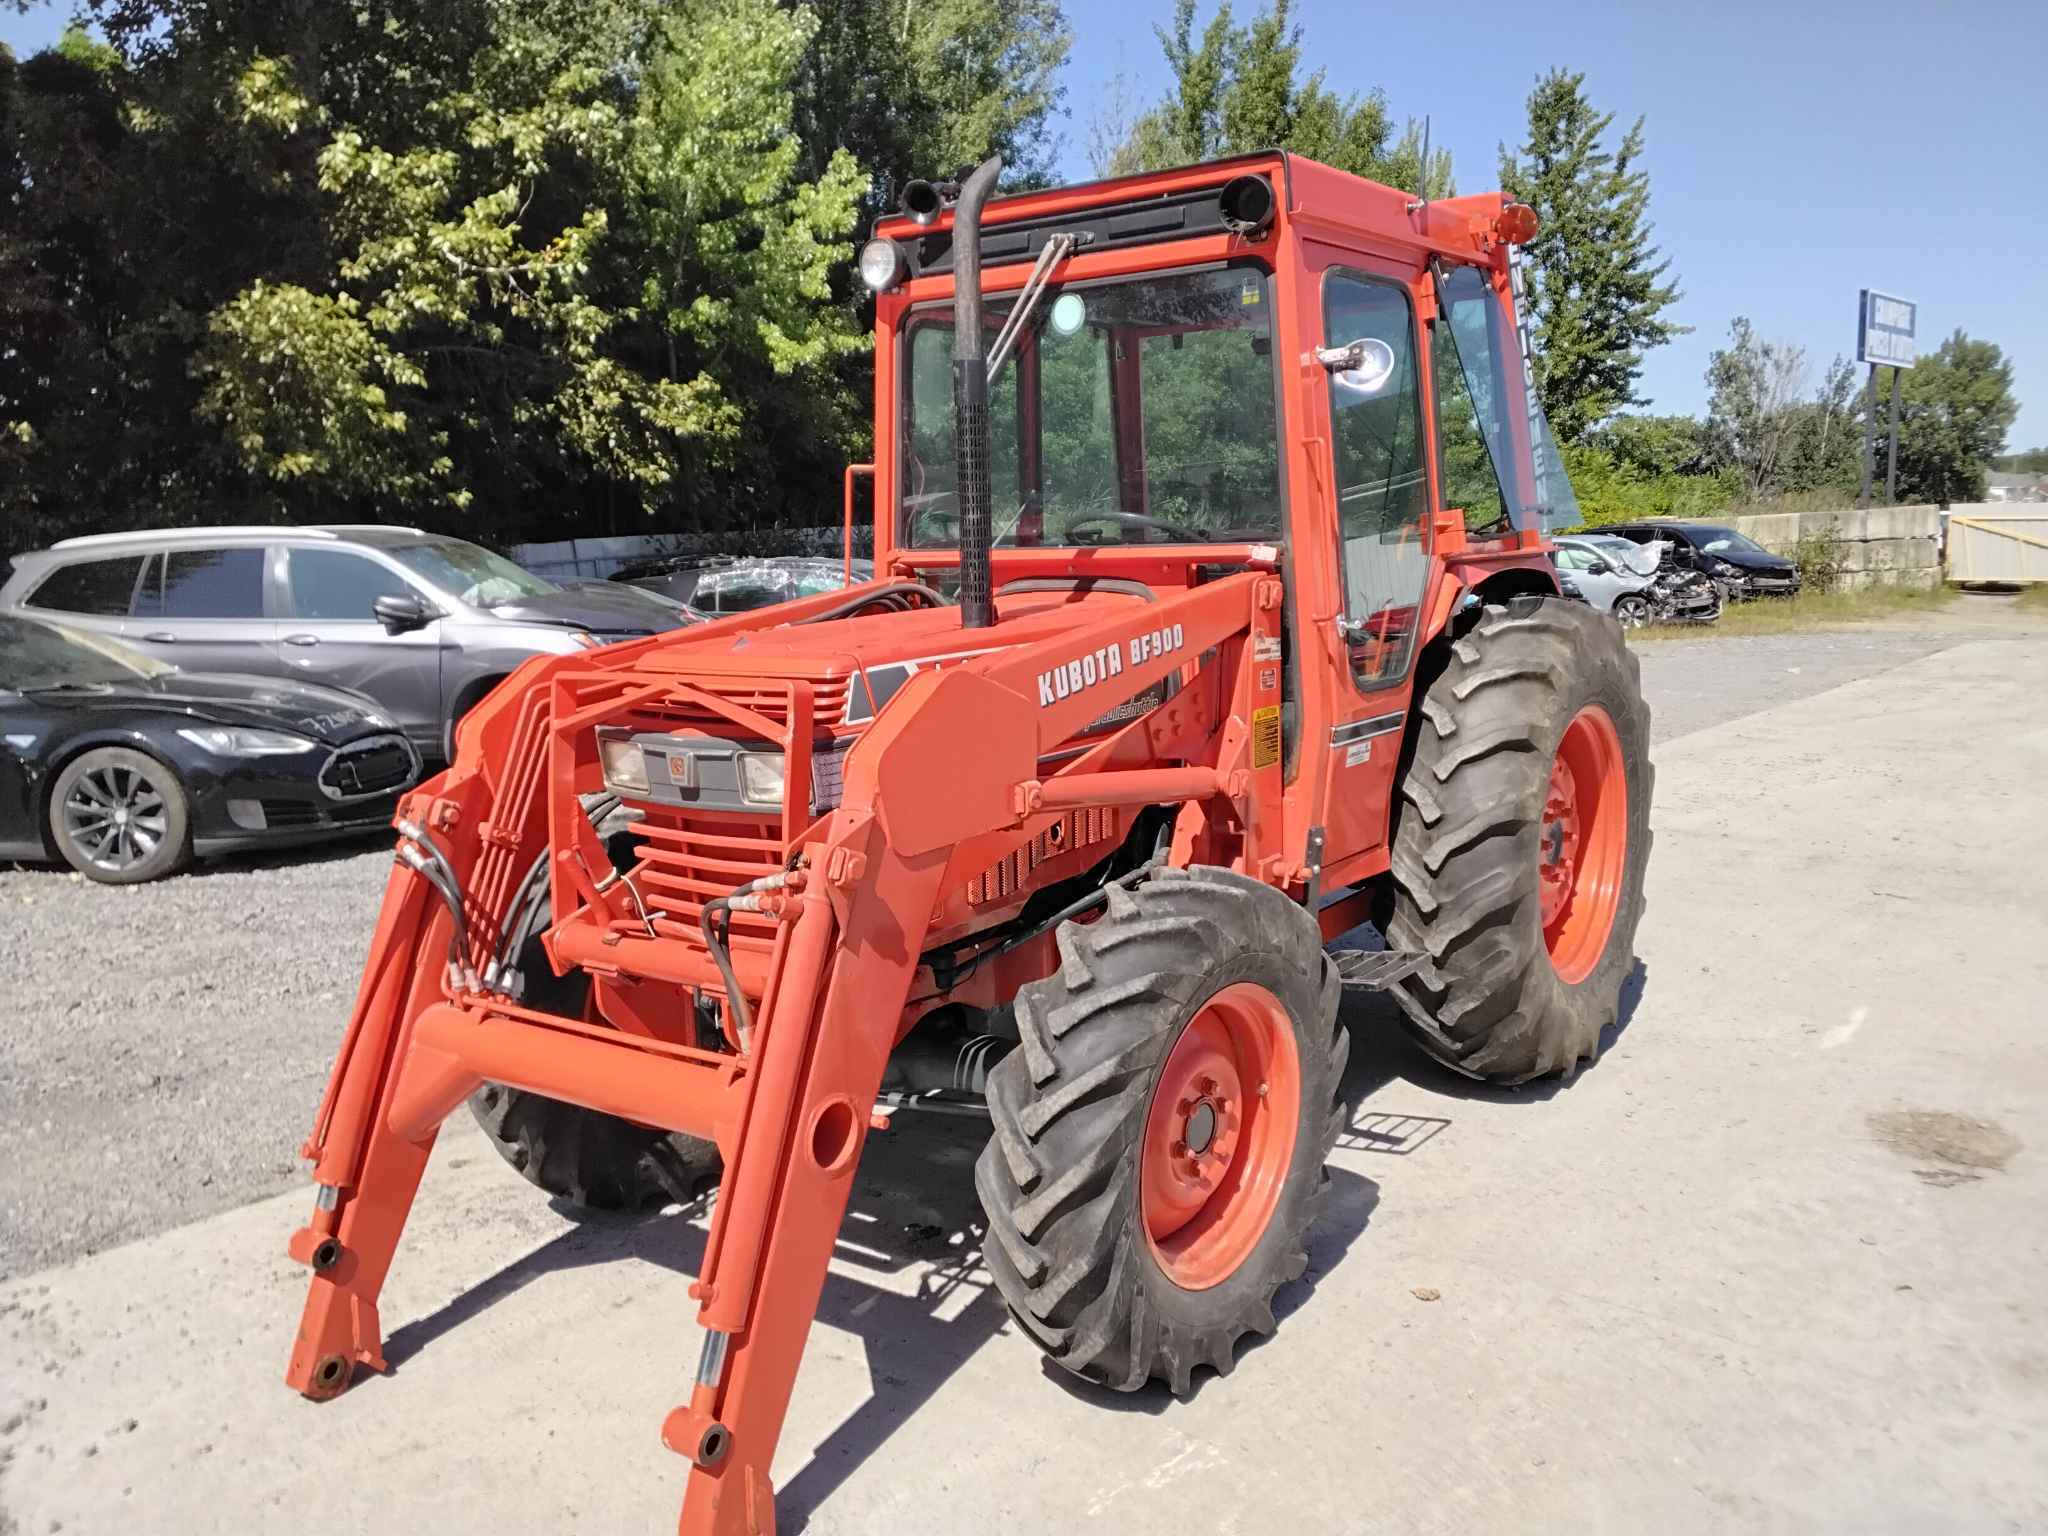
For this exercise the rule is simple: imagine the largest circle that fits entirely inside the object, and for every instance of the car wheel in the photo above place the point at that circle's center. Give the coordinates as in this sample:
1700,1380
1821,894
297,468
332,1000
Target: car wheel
1631,611
120,817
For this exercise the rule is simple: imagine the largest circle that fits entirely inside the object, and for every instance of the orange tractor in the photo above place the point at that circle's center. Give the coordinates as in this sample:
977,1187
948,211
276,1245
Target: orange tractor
1212,618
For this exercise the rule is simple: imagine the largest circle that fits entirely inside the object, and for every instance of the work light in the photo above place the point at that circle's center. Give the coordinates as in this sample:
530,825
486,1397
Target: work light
881,264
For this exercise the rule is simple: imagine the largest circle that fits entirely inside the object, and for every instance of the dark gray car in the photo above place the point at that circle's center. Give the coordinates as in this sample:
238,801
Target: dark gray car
424,624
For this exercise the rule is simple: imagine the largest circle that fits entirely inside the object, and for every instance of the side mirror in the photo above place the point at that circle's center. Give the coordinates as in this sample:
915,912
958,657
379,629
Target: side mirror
401,611
1362,368
1600,567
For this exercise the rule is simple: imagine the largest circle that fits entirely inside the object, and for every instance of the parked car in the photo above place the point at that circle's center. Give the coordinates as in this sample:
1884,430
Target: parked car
1734,562
424,624
1623,579
710,587
126,768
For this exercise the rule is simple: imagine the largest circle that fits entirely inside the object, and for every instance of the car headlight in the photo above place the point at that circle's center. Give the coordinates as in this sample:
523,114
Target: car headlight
762,776
1725,568
245,741
625,765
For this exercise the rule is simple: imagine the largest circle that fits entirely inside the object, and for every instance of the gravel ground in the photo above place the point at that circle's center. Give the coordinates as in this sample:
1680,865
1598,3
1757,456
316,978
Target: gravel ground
165,1045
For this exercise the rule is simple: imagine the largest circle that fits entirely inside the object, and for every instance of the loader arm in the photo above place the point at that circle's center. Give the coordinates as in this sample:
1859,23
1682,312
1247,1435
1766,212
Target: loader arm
956,756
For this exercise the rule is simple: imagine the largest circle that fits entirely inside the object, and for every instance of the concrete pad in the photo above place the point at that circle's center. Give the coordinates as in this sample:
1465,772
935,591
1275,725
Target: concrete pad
1773,1264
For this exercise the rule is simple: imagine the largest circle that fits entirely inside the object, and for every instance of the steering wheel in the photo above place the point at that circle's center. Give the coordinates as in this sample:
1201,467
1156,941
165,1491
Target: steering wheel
1126,522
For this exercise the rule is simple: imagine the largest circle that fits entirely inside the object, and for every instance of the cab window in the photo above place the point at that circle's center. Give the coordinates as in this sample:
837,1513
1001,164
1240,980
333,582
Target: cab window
1382,488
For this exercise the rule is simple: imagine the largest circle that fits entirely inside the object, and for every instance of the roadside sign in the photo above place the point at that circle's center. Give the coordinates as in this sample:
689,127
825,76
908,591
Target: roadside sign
1884,330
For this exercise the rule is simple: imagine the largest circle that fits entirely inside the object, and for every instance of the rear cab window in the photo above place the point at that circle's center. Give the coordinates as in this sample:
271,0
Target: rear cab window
101,588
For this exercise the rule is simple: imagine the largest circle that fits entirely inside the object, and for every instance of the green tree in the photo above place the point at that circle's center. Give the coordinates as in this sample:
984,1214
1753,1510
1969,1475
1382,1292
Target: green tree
919,88
1237,89
1597,288
468,297
1753,390
1956,406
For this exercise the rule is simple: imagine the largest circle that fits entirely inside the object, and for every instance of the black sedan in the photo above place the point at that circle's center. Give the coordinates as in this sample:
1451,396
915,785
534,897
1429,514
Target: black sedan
1737,565
127,769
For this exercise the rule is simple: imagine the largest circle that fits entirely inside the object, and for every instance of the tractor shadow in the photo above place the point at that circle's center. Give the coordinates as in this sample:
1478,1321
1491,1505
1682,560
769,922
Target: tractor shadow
907,1281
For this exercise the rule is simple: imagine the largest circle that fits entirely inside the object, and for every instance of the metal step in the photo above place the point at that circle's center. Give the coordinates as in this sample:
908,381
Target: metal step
1374,970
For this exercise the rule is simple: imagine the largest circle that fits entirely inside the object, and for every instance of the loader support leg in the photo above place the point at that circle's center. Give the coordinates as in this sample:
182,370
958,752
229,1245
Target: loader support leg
367,1174
734,1417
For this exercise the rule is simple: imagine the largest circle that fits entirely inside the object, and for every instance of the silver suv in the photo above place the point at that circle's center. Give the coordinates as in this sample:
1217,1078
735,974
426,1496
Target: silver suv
424,624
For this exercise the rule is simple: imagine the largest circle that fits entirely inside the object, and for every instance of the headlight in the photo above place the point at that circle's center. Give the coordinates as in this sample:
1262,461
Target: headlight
625,765
761,777
881,264
245,741
1725,568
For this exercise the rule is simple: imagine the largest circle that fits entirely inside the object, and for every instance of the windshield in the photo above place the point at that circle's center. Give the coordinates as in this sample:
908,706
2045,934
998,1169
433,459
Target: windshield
1717,541
1483,421
472,574
34,655
1135,411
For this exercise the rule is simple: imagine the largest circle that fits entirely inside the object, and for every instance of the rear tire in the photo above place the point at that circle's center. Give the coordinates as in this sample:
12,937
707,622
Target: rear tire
1096,1264
1525,901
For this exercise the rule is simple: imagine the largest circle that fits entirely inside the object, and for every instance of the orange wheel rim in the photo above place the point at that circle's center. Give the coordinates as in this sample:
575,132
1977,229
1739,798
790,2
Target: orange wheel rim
1583,843
1219,1137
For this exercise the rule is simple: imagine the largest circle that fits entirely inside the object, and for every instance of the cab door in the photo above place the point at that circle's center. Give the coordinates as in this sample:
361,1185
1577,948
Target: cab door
1374,480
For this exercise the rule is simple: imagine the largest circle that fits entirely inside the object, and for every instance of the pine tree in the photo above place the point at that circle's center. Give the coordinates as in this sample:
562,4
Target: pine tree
1598,290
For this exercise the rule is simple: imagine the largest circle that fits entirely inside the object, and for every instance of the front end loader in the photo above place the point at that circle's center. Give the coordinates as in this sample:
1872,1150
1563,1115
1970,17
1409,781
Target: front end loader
1212,618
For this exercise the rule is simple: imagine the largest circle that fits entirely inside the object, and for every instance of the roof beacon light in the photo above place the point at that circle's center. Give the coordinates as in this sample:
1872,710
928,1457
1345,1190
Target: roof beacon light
1517,223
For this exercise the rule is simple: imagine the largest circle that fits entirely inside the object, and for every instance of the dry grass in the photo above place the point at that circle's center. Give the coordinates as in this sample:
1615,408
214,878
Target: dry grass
2033,599
1812,610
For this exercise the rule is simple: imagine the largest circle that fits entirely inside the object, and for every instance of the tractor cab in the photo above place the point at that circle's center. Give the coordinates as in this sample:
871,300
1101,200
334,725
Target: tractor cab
1258,363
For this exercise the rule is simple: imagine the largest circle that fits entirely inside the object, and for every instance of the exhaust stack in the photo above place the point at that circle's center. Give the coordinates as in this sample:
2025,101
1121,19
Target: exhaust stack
971,444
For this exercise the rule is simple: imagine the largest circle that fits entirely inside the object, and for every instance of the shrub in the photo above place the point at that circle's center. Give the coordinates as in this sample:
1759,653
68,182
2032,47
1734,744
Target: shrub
1819,557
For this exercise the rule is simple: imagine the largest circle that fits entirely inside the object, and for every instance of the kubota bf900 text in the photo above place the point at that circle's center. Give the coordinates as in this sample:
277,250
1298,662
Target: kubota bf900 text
1212,617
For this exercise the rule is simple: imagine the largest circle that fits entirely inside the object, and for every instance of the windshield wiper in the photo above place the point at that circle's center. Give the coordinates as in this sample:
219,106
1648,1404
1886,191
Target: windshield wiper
1051,254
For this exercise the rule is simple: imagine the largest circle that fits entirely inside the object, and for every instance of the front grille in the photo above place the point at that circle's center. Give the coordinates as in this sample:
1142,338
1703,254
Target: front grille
688,857
289,813
764,696
376,765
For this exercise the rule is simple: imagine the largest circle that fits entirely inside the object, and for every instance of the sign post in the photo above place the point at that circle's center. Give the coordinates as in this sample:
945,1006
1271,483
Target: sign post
1886,326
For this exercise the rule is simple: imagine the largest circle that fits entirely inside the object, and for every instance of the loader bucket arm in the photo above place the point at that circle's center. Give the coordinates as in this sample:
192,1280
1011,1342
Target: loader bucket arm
955,757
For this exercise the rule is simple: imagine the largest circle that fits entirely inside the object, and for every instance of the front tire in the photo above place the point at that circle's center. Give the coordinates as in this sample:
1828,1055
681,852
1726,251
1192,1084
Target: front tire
1160,1132
120,817
591,1160
1520,842
1631,611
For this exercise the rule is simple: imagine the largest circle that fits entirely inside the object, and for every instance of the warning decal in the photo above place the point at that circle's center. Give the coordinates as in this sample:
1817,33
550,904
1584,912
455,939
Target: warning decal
1266,736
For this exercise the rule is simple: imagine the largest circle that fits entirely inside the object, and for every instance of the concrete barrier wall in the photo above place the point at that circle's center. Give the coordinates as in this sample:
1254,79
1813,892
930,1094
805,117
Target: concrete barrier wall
1881,546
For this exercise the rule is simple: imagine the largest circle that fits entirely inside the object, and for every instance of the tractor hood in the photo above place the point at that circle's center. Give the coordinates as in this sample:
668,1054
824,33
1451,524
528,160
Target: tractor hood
857,665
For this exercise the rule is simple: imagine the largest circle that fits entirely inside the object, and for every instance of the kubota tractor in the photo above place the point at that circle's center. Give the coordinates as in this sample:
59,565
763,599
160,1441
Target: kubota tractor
1211,618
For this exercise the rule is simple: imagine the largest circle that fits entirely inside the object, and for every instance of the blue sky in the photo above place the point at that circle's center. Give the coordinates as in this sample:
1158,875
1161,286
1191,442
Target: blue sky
1797,151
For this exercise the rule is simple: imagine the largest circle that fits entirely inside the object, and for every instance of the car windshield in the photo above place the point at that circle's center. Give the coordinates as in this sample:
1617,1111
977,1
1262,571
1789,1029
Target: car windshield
470,573
35,655
1718,541
1135,411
